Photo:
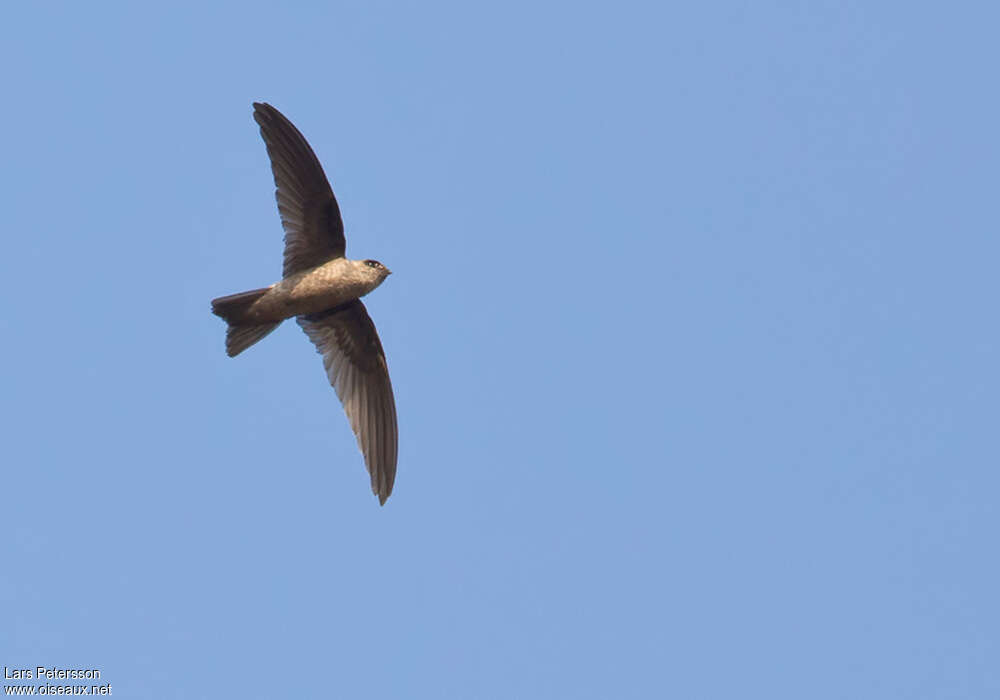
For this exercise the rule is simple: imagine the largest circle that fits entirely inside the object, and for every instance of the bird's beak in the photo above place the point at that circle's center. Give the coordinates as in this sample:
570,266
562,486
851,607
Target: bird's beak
388,272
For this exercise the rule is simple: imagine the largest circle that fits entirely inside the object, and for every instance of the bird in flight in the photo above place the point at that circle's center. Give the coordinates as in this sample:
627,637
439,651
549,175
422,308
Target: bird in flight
322,289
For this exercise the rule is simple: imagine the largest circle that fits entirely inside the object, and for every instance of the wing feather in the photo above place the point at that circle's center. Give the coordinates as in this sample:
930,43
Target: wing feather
310,215
355,365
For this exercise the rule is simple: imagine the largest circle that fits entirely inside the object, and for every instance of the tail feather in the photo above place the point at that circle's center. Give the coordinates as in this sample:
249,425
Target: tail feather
241,334
239,338
233,307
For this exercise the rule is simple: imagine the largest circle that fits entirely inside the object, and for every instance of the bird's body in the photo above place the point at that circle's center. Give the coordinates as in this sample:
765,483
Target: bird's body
321,288
315,290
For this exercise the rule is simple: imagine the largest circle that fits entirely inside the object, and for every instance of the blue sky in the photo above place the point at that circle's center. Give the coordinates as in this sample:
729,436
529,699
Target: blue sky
693,333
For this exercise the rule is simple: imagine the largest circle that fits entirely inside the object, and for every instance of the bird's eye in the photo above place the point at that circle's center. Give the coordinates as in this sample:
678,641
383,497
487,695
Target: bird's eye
373,263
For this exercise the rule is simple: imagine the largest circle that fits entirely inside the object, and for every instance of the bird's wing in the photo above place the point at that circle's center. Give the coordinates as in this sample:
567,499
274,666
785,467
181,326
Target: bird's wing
314,231
355,364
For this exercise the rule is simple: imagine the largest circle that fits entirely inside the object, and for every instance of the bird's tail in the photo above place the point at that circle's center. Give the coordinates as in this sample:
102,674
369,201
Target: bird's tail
241,334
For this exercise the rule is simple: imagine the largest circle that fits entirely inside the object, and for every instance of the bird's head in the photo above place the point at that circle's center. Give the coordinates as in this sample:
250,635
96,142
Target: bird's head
374,271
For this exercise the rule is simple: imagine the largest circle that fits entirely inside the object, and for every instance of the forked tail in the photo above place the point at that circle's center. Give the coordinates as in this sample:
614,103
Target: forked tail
240,334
